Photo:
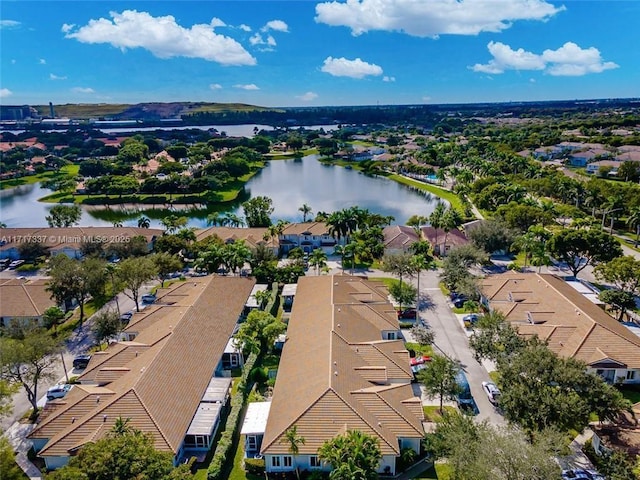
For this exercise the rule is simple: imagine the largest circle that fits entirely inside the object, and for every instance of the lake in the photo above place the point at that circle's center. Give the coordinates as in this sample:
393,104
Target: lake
289,183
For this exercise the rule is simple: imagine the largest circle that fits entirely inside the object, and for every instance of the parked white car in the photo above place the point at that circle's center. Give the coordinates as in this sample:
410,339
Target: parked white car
493,394
58,391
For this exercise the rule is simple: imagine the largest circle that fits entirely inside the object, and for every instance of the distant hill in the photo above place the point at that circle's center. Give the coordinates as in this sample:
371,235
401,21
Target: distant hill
143,111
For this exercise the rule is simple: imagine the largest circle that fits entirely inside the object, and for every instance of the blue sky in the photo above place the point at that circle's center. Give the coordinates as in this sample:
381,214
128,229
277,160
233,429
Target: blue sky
305,53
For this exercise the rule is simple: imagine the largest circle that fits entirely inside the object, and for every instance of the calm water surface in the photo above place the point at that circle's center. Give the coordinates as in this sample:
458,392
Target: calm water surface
289,183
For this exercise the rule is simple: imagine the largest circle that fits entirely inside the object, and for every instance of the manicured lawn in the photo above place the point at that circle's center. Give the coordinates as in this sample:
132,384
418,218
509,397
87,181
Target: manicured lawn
386,280
420,349
70,170
432,412
450,197
631,393
440,471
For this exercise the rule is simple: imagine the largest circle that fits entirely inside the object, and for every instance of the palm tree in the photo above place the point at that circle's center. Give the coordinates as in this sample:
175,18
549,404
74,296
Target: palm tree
633,220
144,222
117,224
450,220
121,427
294,441
435,219
318,259
213,219
306,210
232,220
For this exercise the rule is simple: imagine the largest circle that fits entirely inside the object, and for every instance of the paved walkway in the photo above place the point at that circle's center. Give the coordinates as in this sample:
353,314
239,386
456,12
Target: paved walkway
577,459
16,434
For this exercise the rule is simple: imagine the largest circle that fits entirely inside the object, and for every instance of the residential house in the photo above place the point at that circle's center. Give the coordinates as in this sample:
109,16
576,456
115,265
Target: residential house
252,237
308,236
253,427
166,376
572,325
24,301
288,295
252,302
69,241
399,238
582,158
594,167
442,241
343,367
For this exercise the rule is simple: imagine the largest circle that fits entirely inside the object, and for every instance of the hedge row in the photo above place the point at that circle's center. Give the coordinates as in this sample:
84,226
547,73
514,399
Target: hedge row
222,452
273,304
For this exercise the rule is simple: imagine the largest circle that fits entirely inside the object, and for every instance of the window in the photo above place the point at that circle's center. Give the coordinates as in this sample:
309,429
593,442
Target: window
391,335
275,461
631,374
252,444
287,461
314,462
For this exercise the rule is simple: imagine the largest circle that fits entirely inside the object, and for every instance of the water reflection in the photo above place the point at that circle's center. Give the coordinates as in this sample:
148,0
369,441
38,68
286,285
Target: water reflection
289,183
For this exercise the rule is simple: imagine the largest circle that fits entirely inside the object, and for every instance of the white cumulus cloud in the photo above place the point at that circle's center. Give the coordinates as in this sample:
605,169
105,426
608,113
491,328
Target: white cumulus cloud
53,76
5,92
248,86
387,78
244,27
216,22
307,97
568,60
258,39
163,37
67,27
341,67
83,90
420,18
42,61
215,86
9,24
277,25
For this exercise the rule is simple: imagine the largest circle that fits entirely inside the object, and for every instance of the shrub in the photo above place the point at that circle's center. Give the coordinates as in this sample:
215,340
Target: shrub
254,466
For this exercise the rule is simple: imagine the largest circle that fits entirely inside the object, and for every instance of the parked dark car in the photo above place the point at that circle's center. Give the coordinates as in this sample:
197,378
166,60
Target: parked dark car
408,313
81,362
126,316
458,300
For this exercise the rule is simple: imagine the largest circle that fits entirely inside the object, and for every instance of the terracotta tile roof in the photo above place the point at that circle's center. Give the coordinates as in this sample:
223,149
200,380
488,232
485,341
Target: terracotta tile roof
251,236
24,298
313,228
161,385
454,237
336,373
545,305
399,237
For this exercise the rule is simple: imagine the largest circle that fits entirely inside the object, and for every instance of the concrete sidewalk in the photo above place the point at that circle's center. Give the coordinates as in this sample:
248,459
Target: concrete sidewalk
17,436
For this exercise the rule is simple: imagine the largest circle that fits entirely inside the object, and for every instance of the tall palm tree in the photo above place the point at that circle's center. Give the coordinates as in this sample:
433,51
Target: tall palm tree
435,219
306,210
318,259
293,440
144,222
450,220
213,219
633,220
232,220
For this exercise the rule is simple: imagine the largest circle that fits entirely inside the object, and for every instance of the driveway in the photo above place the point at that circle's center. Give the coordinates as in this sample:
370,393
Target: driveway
451,340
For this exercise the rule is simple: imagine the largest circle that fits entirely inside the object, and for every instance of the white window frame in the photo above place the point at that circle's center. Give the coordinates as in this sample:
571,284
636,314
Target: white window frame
275,461
287,461
314,461
631,374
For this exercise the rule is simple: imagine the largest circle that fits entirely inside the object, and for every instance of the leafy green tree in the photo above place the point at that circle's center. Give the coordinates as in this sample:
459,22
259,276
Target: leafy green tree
27,360
32,251
484,452
257,211
77,280
495,339
133,273
123,456
210,259
235,255
439,378
258,332
293,442
633,221
541,390
352,456
621,301
63,216
52,317
623,272
403,293
423,335
7,390
580,248
400,264
133,152
166,264
172,223
8,466
492,236
106,325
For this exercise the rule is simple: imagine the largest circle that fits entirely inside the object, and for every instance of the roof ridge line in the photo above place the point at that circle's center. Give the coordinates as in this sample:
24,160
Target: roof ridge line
377,394
33,304
144,406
